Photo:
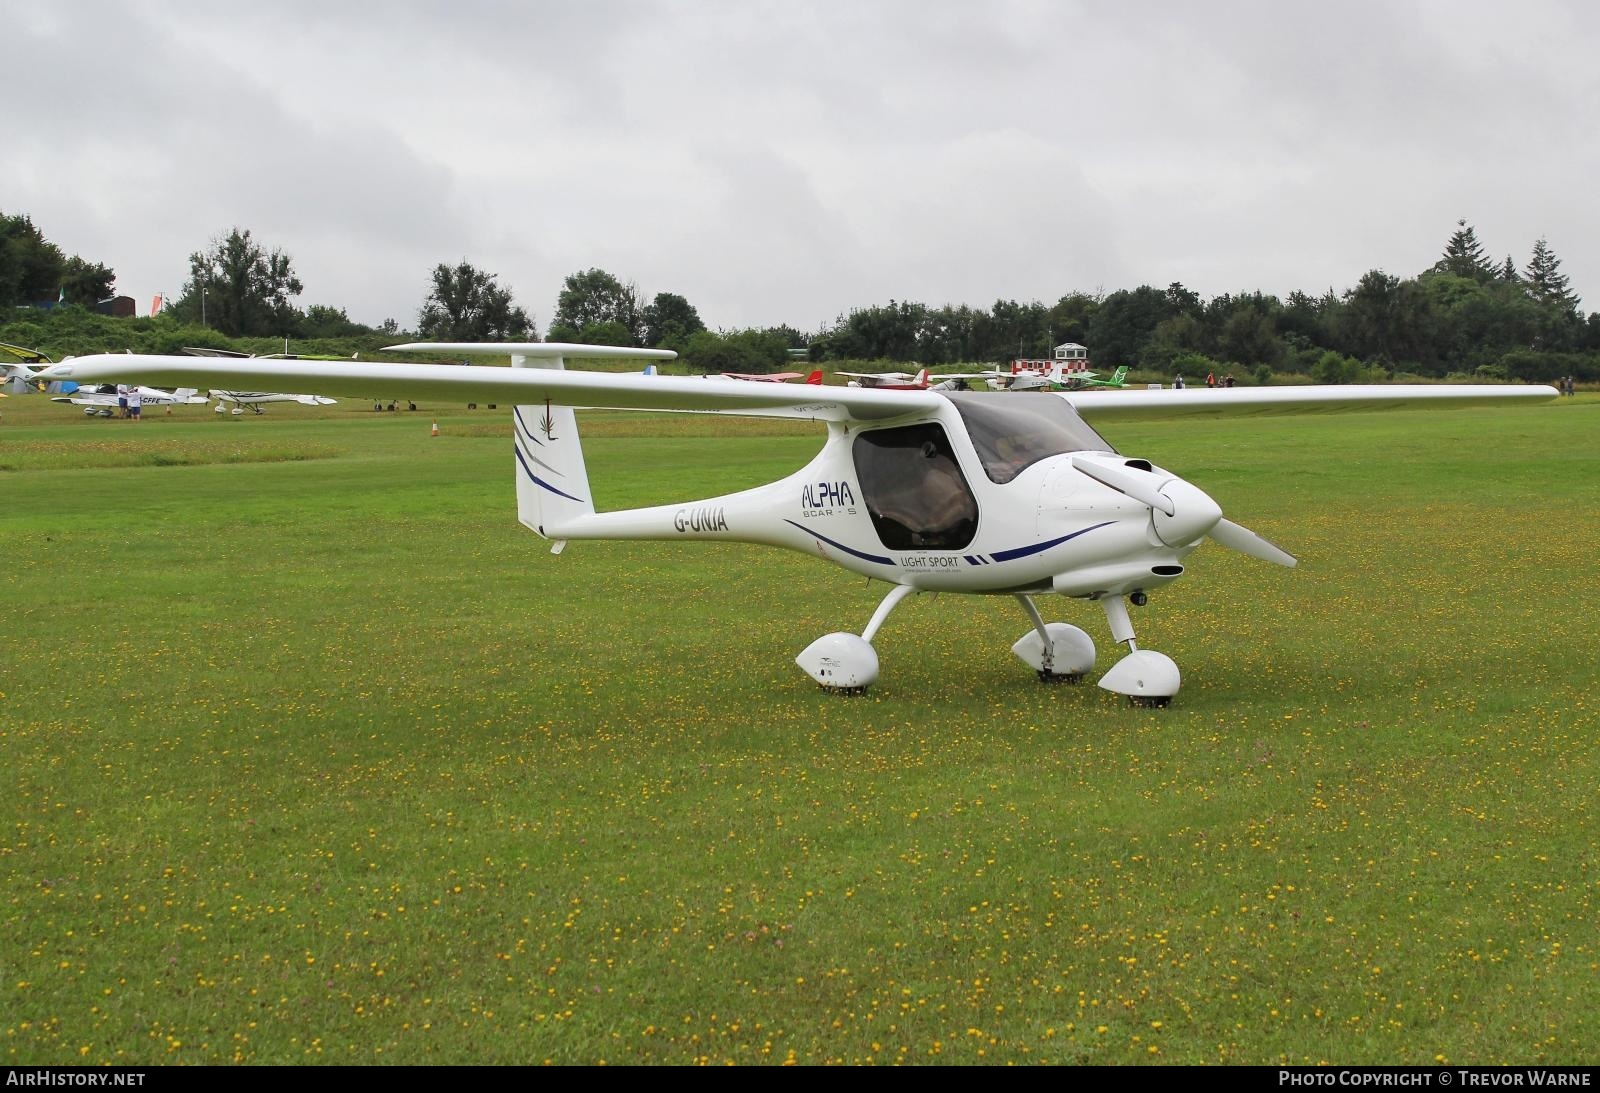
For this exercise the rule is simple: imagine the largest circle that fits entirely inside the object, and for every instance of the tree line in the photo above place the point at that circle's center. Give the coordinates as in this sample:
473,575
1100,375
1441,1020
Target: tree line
1464,315
34,270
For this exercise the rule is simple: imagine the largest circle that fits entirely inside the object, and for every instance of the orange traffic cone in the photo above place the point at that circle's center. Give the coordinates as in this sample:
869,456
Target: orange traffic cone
435,429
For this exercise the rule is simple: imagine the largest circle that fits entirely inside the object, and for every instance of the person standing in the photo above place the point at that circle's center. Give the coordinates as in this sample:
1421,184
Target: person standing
135,399
1211,380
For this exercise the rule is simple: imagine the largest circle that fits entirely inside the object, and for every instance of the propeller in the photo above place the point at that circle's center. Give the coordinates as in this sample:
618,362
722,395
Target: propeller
1238,537
1139,485
1181,512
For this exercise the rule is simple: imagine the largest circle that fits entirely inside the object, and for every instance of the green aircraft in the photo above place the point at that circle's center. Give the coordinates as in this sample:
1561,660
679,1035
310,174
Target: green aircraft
1084,380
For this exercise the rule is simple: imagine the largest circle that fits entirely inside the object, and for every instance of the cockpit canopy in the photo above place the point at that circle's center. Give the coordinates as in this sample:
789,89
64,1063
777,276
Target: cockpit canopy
1012,432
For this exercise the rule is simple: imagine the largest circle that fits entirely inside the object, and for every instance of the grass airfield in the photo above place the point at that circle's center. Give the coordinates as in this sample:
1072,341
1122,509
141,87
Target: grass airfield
313,754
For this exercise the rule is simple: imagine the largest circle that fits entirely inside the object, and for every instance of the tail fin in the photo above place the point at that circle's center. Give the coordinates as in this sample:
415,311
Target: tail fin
922,378
1119,375
815,379
552,481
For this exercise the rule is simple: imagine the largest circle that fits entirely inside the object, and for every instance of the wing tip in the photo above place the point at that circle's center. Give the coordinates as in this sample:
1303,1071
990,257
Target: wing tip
536,349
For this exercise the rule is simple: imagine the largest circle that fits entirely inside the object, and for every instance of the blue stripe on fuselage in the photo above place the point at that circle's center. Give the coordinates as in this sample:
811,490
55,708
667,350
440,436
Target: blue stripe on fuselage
1036,548
878,558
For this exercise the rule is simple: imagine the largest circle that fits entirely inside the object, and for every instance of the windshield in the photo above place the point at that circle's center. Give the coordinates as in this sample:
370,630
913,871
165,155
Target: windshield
1014,431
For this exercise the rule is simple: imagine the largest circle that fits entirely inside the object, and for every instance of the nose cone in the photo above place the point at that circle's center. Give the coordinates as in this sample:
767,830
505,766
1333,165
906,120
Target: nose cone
1193,514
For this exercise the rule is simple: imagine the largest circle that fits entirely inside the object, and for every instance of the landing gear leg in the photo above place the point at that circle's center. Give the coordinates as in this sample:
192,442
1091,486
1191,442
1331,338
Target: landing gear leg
1148,678
1057,653
845,663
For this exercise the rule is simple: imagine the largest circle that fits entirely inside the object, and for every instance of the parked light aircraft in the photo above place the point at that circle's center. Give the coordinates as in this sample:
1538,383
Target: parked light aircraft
925,491
888,381
102,399
814,379
17,374
1055,377
1083,381
254,400
903,381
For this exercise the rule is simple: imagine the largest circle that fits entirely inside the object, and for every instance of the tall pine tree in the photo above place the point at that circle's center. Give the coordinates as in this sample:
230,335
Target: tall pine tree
1464,257
1546,282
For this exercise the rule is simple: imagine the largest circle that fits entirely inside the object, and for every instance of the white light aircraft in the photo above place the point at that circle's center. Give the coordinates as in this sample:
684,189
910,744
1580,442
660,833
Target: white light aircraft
888,381
925,491
1052,375
102,399
904,381
254,400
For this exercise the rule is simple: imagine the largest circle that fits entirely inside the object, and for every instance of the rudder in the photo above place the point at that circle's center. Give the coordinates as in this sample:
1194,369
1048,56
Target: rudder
552,480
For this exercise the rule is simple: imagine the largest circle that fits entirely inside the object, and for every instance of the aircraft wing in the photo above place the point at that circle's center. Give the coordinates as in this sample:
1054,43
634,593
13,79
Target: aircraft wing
1126,403
883,377
204,351
764,377
480,383
250,397
25,355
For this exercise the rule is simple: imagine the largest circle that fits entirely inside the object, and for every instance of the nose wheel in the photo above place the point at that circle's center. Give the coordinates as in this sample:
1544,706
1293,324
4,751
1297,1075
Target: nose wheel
1146,677
1056,652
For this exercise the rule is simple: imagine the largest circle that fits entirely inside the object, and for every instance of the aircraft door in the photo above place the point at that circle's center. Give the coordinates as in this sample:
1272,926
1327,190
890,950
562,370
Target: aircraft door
914,489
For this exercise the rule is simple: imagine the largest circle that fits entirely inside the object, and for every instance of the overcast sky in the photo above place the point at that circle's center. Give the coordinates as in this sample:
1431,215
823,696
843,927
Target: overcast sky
784,162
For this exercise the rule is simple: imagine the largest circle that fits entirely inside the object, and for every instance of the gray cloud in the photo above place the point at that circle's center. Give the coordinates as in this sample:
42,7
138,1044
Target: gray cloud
776,162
